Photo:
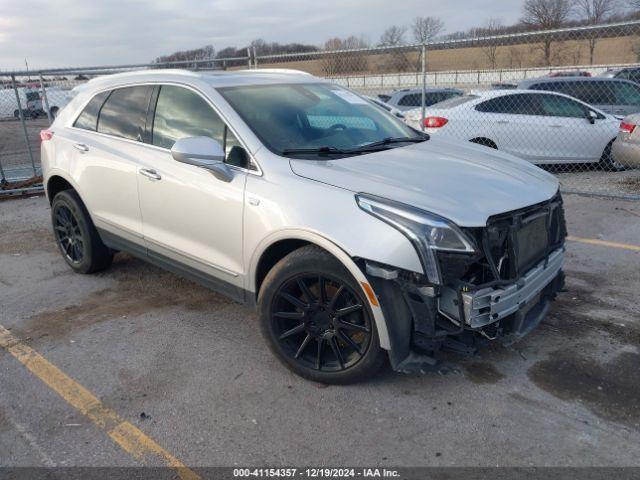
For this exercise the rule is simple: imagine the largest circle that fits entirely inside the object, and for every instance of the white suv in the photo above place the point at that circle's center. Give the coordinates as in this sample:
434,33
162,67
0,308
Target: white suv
352,234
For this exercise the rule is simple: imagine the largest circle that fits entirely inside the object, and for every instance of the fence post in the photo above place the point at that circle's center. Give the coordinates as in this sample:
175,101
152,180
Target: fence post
423,100
46,100
249,58
255,57
24,126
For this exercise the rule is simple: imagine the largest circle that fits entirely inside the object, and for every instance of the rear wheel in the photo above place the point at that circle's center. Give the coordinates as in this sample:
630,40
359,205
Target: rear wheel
316,319
486,142
76,236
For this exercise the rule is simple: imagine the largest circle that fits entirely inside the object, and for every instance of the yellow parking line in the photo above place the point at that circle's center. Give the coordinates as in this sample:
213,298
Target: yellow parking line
604,243
126,435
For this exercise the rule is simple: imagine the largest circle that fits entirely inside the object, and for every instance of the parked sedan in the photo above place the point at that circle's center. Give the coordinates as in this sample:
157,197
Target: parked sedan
612,95
385,106
408,99
542,127
629,73
626,148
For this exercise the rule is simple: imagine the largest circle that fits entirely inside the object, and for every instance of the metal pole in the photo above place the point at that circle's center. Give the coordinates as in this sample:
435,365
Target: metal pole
249,57
423,101
46,100
255,57
24,126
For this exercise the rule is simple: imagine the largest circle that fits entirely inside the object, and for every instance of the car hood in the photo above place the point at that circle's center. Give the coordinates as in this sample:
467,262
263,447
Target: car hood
463,182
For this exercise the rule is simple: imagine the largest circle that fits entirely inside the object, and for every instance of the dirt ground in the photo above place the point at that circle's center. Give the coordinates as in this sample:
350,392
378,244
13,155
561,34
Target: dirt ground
190,369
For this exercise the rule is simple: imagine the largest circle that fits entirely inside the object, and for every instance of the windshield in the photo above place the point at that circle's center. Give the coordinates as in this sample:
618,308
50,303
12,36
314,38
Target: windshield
315,120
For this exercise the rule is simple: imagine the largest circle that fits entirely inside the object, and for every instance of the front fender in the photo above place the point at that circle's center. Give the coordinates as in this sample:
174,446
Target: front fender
322,242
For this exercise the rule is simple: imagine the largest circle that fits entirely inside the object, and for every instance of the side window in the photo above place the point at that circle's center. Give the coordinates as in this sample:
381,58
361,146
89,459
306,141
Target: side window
88,119
181,113
556,106
626,94
412,100
521,104
124,114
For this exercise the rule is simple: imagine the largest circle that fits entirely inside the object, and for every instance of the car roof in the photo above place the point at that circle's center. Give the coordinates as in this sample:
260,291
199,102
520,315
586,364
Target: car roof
532,81
427,90
216,78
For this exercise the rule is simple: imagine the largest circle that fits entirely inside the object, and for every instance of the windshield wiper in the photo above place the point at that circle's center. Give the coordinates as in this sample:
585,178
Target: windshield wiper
392,140
314,150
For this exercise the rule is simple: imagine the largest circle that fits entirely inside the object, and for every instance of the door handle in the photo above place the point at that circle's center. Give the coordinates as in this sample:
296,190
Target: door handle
502,122
81,147
151,173
557,126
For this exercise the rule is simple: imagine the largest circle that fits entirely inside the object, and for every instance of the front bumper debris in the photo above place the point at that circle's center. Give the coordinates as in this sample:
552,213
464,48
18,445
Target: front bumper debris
490,305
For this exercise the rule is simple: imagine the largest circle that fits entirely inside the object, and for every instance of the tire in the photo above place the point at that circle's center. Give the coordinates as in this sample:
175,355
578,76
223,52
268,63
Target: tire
607,162
76,236
303,328
16,114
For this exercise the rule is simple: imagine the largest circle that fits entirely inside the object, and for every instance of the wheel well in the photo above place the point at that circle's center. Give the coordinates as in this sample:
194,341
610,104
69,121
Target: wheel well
485,141
273,255
56,185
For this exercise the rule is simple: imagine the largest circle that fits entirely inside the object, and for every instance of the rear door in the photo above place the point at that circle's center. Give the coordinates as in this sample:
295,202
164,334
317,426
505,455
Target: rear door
626,98
515,124
104,142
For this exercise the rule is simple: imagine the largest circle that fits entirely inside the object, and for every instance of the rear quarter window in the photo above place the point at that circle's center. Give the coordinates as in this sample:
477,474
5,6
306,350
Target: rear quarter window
88,118
124,114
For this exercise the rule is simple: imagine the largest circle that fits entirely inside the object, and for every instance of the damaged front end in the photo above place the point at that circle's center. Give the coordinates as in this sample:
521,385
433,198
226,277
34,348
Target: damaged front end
499,290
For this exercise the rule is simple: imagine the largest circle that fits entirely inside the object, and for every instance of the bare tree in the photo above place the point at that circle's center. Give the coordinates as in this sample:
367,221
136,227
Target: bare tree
594,12
353,61
426,29
493,26
546,15
392,36
515,57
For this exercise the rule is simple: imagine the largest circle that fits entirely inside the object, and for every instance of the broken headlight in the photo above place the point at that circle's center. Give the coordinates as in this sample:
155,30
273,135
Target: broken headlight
426,231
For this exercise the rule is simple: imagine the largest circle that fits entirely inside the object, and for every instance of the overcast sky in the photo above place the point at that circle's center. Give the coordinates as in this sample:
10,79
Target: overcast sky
61,33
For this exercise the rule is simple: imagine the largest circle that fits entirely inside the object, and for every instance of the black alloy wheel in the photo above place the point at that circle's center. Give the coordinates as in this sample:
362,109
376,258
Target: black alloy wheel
321,323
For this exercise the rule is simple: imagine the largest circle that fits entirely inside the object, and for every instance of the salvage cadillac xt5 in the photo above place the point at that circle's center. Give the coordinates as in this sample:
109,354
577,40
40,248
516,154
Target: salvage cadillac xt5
355,237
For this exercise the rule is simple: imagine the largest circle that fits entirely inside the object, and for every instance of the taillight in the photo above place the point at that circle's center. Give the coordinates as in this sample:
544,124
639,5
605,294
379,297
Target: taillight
45,135
435,122
627,127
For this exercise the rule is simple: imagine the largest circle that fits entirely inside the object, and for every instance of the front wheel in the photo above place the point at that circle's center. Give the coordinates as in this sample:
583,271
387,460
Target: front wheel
317,321
607,162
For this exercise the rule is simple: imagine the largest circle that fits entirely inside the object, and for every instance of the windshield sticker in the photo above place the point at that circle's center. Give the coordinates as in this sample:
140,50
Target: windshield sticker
350,97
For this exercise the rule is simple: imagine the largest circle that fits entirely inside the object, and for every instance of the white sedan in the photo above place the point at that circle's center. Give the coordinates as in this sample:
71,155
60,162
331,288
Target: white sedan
542,127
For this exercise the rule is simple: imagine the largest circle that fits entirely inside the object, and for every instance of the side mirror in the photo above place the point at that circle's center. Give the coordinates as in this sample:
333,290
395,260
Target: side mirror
592,116
203,152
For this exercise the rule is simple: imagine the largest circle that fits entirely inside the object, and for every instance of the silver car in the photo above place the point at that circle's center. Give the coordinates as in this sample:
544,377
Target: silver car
409,99
355,237
626,148
611,95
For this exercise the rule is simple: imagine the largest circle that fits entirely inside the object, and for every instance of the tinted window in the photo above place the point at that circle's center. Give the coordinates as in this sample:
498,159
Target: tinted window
88,119
431,98
455,101
595,93
521,104
626,94
555,106
125,112
182,113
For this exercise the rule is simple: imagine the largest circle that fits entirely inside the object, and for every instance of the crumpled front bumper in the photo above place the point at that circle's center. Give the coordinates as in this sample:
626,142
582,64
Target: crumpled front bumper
489,305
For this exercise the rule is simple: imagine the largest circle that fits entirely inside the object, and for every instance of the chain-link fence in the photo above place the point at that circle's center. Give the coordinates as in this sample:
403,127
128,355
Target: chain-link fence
506,90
